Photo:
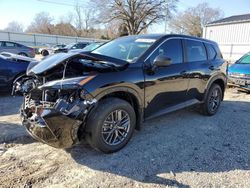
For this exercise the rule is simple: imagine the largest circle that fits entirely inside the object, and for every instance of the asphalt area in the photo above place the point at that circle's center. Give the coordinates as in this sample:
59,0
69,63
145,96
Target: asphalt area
181,149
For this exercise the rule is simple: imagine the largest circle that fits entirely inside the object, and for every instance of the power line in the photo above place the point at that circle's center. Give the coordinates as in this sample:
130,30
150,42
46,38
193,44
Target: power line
60,3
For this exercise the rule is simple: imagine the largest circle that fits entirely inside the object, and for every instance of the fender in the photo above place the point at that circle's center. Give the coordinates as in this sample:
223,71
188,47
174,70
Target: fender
121,89
140,102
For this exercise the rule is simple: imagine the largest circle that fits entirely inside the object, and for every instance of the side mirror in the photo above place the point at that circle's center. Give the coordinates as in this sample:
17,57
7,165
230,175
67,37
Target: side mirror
161,61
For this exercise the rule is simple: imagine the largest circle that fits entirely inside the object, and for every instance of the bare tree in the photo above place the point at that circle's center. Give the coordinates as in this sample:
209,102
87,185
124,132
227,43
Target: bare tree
192,20
14,27
41,24
135,15
83,19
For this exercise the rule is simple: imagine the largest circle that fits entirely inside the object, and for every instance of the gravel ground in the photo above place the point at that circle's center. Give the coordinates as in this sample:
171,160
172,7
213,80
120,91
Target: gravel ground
181,149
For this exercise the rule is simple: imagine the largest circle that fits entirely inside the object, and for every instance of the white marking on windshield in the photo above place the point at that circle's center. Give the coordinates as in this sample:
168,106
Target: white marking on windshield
145,40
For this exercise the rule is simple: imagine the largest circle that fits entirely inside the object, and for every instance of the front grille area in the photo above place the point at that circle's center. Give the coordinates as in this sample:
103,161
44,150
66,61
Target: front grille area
239,75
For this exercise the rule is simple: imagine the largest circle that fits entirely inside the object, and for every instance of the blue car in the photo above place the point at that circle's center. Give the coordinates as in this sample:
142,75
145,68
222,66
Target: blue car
239,73
12,67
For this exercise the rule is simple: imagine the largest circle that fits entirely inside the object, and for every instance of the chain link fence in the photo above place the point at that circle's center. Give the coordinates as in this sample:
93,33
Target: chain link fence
38,40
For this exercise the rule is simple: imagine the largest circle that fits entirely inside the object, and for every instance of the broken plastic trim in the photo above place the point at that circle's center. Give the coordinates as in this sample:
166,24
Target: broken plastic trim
58,126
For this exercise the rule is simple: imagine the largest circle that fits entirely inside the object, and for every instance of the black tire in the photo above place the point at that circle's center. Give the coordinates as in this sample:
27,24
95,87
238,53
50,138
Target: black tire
23,54
212,101
45,53
95,124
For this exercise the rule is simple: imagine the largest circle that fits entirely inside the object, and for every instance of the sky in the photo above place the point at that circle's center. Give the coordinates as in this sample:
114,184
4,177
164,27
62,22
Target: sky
23,11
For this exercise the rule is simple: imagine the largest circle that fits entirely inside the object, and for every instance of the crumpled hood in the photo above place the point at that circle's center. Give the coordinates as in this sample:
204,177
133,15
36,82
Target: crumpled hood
60,58
239,68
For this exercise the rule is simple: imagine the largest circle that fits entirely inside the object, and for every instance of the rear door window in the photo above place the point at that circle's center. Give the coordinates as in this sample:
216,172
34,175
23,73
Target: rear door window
195,51
10,44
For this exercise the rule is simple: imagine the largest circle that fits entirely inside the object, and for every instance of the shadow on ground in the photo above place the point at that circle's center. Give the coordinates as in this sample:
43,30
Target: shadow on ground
184,141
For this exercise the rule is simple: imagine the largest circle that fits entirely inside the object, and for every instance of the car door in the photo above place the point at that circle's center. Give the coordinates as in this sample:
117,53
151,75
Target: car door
4,72
199,72
166,86
9,47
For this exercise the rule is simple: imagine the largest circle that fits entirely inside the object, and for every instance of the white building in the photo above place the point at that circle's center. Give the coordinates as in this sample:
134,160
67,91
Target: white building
232,34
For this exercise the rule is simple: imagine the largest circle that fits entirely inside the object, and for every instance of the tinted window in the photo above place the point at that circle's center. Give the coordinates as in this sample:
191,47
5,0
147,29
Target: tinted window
195,51
1,43
81,45
19,45
218,52
172,49
210,51
9,44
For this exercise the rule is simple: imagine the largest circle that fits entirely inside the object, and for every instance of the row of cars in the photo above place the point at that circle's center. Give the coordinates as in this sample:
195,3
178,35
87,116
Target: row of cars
102,95
15,59
79,46
20,49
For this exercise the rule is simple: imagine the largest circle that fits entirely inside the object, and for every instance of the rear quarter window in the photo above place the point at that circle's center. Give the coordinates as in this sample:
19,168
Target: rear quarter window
211,53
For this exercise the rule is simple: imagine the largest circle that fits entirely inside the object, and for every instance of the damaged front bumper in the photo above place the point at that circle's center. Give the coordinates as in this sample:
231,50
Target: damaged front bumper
55,124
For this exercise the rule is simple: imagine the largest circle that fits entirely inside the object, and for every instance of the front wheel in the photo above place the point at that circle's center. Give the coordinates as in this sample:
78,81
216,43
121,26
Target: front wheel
45,53
212,101
110,126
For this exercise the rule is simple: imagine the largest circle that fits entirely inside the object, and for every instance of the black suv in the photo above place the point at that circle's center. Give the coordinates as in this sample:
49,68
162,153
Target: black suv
105,94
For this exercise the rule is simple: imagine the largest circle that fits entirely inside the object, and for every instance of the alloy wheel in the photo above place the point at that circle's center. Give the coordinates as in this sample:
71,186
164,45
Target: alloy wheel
214,100
116,127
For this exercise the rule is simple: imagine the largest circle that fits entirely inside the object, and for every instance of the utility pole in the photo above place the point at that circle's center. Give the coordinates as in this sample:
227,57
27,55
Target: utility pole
166,19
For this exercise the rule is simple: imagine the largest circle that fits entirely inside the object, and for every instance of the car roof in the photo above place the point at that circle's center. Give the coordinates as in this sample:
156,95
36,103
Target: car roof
8,41
159,36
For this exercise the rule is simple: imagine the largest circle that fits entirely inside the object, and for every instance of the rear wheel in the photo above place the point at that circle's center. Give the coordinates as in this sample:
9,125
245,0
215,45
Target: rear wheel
111,125
45,53
212,101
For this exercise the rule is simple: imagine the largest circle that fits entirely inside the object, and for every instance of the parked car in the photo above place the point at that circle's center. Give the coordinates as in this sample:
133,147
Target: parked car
72,46
16,48
105,94
12,67
89,47
48,50
239,73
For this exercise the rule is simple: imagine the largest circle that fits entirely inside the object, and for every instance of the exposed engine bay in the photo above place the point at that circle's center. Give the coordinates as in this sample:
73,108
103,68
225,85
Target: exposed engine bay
55,102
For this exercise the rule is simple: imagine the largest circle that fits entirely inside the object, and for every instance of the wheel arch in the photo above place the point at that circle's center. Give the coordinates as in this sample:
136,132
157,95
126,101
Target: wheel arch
23,53
221,80
129,95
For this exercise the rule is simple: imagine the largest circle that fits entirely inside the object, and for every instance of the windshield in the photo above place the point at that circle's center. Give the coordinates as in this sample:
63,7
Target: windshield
92,46
69,45
245,59
127,48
